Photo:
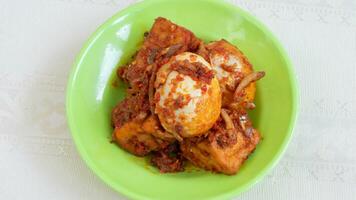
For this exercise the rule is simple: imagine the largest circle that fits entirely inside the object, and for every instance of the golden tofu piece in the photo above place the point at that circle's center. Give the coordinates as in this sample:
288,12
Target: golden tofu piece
222,150
138,137
164,40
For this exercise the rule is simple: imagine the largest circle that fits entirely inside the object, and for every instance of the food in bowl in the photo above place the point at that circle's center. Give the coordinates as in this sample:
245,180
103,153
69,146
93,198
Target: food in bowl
187,101
187,96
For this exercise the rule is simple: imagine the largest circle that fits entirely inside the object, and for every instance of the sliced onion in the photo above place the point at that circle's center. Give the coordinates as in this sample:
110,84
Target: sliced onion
151,56
254,76
163,135
151,88
172,50
141,116
228,121
177,136
250,105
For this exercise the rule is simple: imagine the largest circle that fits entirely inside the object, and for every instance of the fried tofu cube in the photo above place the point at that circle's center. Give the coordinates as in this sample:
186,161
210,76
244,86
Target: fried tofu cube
165,38
138,137
225,147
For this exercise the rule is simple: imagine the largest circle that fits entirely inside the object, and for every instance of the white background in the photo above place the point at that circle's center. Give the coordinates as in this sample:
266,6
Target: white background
38,43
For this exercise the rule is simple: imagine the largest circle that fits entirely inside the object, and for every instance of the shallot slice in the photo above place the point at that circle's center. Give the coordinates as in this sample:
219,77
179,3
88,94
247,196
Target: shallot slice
151,88
163,135
228,121
254,76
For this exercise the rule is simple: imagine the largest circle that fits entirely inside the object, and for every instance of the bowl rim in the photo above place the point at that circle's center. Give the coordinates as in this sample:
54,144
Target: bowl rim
141,4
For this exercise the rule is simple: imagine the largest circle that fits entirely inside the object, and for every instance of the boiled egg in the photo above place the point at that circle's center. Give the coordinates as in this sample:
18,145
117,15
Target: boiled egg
187,97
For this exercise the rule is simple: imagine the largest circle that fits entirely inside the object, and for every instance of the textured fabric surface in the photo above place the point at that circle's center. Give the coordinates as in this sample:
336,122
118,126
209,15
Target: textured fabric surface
38,43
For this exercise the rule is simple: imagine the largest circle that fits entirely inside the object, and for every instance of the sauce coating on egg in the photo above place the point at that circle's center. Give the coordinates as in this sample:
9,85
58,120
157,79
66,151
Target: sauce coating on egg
189,95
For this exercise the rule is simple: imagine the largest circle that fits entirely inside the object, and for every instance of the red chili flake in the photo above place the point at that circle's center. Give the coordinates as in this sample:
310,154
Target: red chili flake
204,89
157,97
193,57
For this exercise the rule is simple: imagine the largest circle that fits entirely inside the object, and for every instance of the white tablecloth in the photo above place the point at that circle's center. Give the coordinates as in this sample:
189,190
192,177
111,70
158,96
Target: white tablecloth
40,38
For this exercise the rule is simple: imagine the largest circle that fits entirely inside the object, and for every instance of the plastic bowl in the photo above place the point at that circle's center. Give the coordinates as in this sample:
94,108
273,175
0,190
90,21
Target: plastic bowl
91,97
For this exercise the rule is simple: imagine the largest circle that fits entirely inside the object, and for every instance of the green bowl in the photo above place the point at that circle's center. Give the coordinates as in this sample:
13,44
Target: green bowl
91,96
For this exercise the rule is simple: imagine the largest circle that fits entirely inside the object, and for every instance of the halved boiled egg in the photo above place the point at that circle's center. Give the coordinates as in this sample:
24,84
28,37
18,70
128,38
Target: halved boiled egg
231,66
187,97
